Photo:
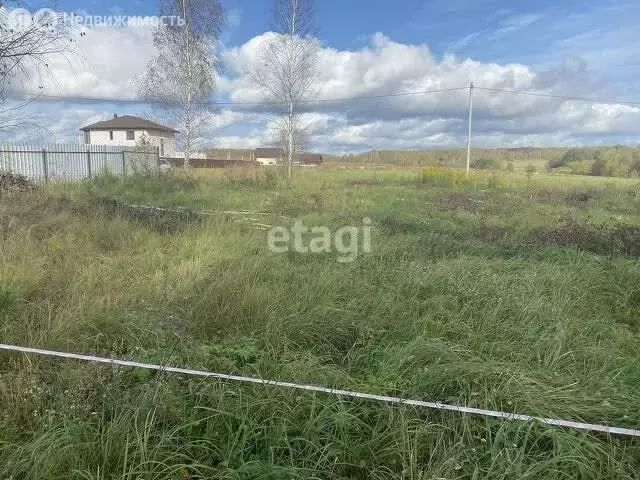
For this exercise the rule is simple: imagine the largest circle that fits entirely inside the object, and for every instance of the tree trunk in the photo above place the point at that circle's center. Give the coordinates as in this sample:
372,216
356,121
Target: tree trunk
189,104
187,141
291,143
294,11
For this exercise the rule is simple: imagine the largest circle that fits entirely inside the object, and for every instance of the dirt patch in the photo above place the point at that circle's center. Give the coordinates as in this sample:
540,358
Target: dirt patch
580,199
545,194
459,201
613,239
393,225
157,219
12,183
491,233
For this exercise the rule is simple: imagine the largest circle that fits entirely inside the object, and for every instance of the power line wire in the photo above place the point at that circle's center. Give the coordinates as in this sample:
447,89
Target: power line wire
563,97
264,103
36,97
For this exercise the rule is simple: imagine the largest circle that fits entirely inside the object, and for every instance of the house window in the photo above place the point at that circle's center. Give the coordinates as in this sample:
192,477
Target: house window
130,135
162,147
110,134
87,137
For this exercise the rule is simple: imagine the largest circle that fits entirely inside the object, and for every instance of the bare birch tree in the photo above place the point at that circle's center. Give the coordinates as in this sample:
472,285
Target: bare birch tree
287,69
181,79
27,44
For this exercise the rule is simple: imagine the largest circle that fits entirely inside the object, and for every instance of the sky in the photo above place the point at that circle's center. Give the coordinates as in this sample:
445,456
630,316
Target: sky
563,48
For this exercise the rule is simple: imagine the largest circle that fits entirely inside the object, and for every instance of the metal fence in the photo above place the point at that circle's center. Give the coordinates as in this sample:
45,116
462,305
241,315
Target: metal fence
57,162
208,162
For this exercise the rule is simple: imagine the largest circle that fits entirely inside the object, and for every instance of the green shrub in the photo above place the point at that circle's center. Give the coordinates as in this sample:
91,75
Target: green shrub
443,177
486,164
583,167
493,182
265,177
616,161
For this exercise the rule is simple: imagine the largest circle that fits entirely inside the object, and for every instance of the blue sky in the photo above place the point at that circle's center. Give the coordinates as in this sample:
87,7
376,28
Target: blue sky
565,47
603,32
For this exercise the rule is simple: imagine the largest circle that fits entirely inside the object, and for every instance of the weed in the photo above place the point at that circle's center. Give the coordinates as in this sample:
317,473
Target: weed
443,177
253,177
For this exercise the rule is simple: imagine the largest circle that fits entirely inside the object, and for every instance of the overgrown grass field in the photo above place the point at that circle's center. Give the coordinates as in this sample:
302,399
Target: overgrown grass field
503,291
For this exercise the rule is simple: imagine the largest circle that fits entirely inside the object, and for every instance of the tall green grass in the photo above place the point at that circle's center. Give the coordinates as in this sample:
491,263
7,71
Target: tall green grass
468,297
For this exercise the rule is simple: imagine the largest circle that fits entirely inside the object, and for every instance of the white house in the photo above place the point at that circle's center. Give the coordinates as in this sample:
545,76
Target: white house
275,156
268,156
130,131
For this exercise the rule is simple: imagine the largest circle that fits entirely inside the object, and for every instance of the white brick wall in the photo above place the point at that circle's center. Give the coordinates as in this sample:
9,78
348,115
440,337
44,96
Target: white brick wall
154,137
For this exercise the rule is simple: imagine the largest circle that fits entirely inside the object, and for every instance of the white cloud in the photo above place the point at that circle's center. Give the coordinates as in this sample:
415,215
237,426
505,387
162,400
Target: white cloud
228,118
244,141
105,64
115,56
390,67
514,23
465,41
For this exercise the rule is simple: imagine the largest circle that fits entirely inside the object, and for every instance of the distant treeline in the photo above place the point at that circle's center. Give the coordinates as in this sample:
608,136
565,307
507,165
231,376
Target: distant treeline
616,161
613,161
454,157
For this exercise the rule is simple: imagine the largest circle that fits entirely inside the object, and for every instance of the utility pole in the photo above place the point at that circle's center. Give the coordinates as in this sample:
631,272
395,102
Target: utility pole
469,135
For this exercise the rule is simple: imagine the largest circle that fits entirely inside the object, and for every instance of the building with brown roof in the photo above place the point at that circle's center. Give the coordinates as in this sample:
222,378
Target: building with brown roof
268,156
274,156
308,159
130,131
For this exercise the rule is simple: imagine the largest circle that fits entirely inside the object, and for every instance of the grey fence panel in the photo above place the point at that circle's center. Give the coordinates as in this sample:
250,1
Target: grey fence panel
65,163
59,162
23,159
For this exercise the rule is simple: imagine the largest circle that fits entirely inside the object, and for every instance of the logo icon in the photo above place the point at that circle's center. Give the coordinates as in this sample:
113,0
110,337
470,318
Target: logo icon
19,19
45,17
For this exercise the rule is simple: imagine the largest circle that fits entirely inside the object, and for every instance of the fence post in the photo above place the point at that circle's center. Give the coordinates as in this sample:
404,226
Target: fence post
89,161
45,165
124,162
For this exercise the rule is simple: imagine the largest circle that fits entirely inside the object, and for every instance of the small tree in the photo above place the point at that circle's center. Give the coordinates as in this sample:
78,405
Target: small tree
486,164
530,170
635,163
181,79
287,69
142,157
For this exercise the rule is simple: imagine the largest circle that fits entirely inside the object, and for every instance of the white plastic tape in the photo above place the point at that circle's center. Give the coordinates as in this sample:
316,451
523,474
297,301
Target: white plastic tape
332,391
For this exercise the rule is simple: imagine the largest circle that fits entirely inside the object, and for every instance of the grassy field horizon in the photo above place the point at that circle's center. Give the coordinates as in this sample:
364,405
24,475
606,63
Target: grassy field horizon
502,291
